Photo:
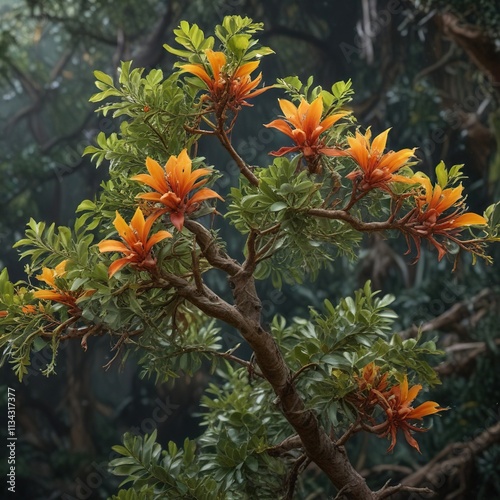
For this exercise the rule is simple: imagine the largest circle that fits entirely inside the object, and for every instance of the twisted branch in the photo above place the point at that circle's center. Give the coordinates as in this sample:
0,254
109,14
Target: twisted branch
445,466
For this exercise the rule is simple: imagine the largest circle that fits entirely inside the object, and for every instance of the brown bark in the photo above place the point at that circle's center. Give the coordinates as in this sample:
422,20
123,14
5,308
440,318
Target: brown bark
464,364
476,43
245,315
448,464
469,310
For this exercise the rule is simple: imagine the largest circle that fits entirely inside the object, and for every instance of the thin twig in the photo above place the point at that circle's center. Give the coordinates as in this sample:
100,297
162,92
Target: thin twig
118,346
288,444
341,491
263,252
270,230
244,168
196,269
303,369
387,491
162,139
90,332
66,323
353,428
299,465
228,355
198,131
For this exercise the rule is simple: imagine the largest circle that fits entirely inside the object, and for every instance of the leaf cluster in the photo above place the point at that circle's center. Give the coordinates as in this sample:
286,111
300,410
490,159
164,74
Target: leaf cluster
277,209
235,37
156,473
25,333
331,347
180,347
340,94
157,109
242,422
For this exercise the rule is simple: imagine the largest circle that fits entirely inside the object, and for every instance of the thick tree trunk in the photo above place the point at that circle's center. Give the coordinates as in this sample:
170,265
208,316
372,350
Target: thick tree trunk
245,315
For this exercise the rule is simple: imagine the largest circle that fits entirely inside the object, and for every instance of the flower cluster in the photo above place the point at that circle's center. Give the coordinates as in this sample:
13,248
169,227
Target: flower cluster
32,309
396,403
370,384
136,245
173,186
307,129
375,168
226,86
57,293
428,218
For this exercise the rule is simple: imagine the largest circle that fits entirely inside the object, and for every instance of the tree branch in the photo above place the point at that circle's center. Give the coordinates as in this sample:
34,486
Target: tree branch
244,315
387,491
480,48
443,466
45,148
251,260
244,168
353,221
288,444
299,466
211,250
465,363
486,299
377,469
227,355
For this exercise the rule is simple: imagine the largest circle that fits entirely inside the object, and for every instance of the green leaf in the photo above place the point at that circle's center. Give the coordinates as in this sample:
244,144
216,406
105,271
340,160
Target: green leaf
442,174
86,205
177,52
103,77
39,344
277,206
239,43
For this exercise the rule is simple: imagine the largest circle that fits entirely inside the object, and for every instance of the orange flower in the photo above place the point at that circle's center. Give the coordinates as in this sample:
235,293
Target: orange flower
66,297
371,378
137,246
431,204
307,128
370,385
376,168
29,309
225,88
398,410
4,314
173,185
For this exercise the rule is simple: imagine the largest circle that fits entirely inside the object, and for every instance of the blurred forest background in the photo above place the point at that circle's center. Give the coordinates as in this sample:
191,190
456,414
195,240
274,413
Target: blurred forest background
428,68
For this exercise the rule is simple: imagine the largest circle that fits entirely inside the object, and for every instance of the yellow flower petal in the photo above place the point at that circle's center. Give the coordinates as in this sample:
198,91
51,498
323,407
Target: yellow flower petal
469,219
378,144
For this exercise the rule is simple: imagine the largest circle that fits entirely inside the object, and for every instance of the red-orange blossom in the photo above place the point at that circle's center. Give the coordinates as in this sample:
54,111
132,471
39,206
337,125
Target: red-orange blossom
376,168
396,402
173,185
55,293
307,127
397,405
136,245
225,87
429,219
